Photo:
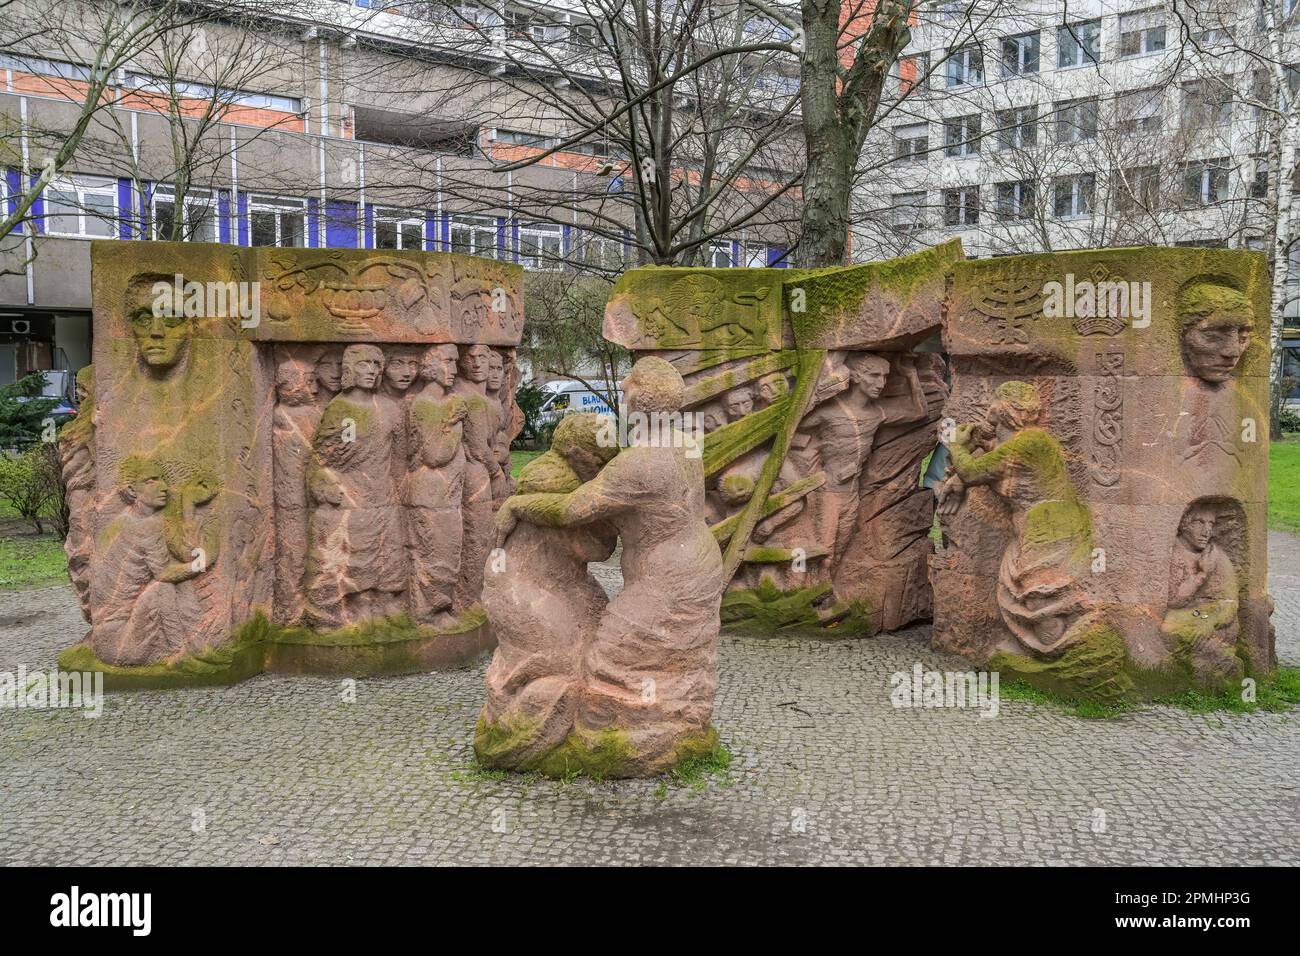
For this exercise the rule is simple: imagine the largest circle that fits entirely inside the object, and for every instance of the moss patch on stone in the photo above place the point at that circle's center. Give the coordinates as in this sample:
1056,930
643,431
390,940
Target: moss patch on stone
767,609
1092,669
237,660
599,755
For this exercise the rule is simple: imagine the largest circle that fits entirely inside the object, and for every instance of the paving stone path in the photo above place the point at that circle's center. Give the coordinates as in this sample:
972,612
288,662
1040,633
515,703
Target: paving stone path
281,770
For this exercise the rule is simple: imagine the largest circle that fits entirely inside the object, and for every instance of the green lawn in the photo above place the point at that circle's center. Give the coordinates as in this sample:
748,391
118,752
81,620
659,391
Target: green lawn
1284,485
31,561
520,458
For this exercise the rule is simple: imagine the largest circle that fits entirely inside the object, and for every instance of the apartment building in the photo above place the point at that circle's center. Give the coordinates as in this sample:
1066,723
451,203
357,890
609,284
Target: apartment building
338,125
1032,126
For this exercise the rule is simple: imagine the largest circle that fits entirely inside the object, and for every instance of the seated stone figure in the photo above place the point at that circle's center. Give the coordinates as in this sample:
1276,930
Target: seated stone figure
544,606
1203,598
147,609
1039,594
649,671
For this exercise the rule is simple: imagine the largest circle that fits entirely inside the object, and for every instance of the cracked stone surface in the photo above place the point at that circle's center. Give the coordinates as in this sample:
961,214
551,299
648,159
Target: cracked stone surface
282,770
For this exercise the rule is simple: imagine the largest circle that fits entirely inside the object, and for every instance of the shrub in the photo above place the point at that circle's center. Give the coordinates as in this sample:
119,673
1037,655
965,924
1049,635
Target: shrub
28,483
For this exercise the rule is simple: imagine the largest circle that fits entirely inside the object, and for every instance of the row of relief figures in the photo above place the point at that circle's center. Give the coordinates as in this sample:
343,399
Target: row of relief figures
389,462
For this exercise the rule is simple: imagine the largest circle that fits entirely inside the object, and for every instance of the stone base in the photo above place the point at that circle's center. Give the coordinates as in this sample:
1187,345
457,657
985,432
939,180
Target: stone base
393,646
607,754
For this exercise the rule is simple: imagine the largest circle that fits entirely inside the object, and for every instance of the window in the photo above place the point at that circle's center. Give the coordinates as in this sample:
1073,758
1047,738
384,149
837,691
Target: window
472,15
719,255
1015,200
1072,195
913,71
474,236
961,207
907,210
1205,182
911,143
1076,121
84,207
199,220
512,137
223,94
965,67
541,246
1136,188
398,229
600,252
753,255
1139,111
1207,103
1017,128
1078,44
1020,54
276,222
1259,185
36,64
961,136
1141,32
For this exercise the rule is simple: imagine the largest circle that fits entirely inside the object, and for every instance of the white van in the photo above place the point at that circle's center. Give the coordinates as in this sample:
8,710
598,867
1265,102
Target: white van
570,397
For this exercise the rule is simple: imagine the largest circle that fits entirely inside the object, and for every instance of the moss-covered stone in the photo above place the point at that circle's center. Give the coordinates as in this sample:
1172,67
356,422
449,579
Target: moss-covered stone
1092,668
238,660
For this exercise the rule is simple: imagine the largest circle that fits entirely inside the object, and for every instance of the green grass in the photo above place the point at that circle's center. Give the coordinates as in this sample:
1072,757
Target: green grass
1275,696
694,772
31,561
1284,485
520,458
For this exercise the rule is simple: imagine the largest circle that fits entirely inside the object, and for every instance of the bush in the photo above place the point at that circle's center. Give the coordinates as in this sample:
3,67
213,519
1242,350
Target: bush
1289,420
29,483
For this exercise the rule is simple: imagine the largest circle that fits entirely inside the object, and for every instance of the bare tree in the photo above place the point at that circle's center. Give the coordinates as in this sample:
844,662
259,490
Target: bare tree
87,44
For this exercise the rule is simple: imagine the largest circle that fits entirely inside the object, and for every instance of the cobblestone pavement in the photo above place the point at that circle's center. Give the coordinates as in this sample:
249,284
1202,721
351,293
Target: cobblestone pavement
281,770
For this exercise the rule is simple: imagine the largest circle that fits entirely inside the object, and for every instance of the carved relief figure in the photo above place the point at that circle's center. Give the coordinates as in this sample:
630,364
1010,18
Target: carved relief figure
838,434
156,310
354,565
1203,595
499,394
484,481
293,427
77,461
739,402
544,604
329,373
146,608
770,388
1039,594
401,369
1216,322
660,631
434,486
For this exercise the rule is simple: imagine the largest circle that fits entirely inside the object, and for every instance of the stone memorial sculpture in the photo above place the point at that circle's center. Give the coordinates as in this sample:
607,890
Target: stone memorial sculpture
285,488
818,410
645,678
1104,513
